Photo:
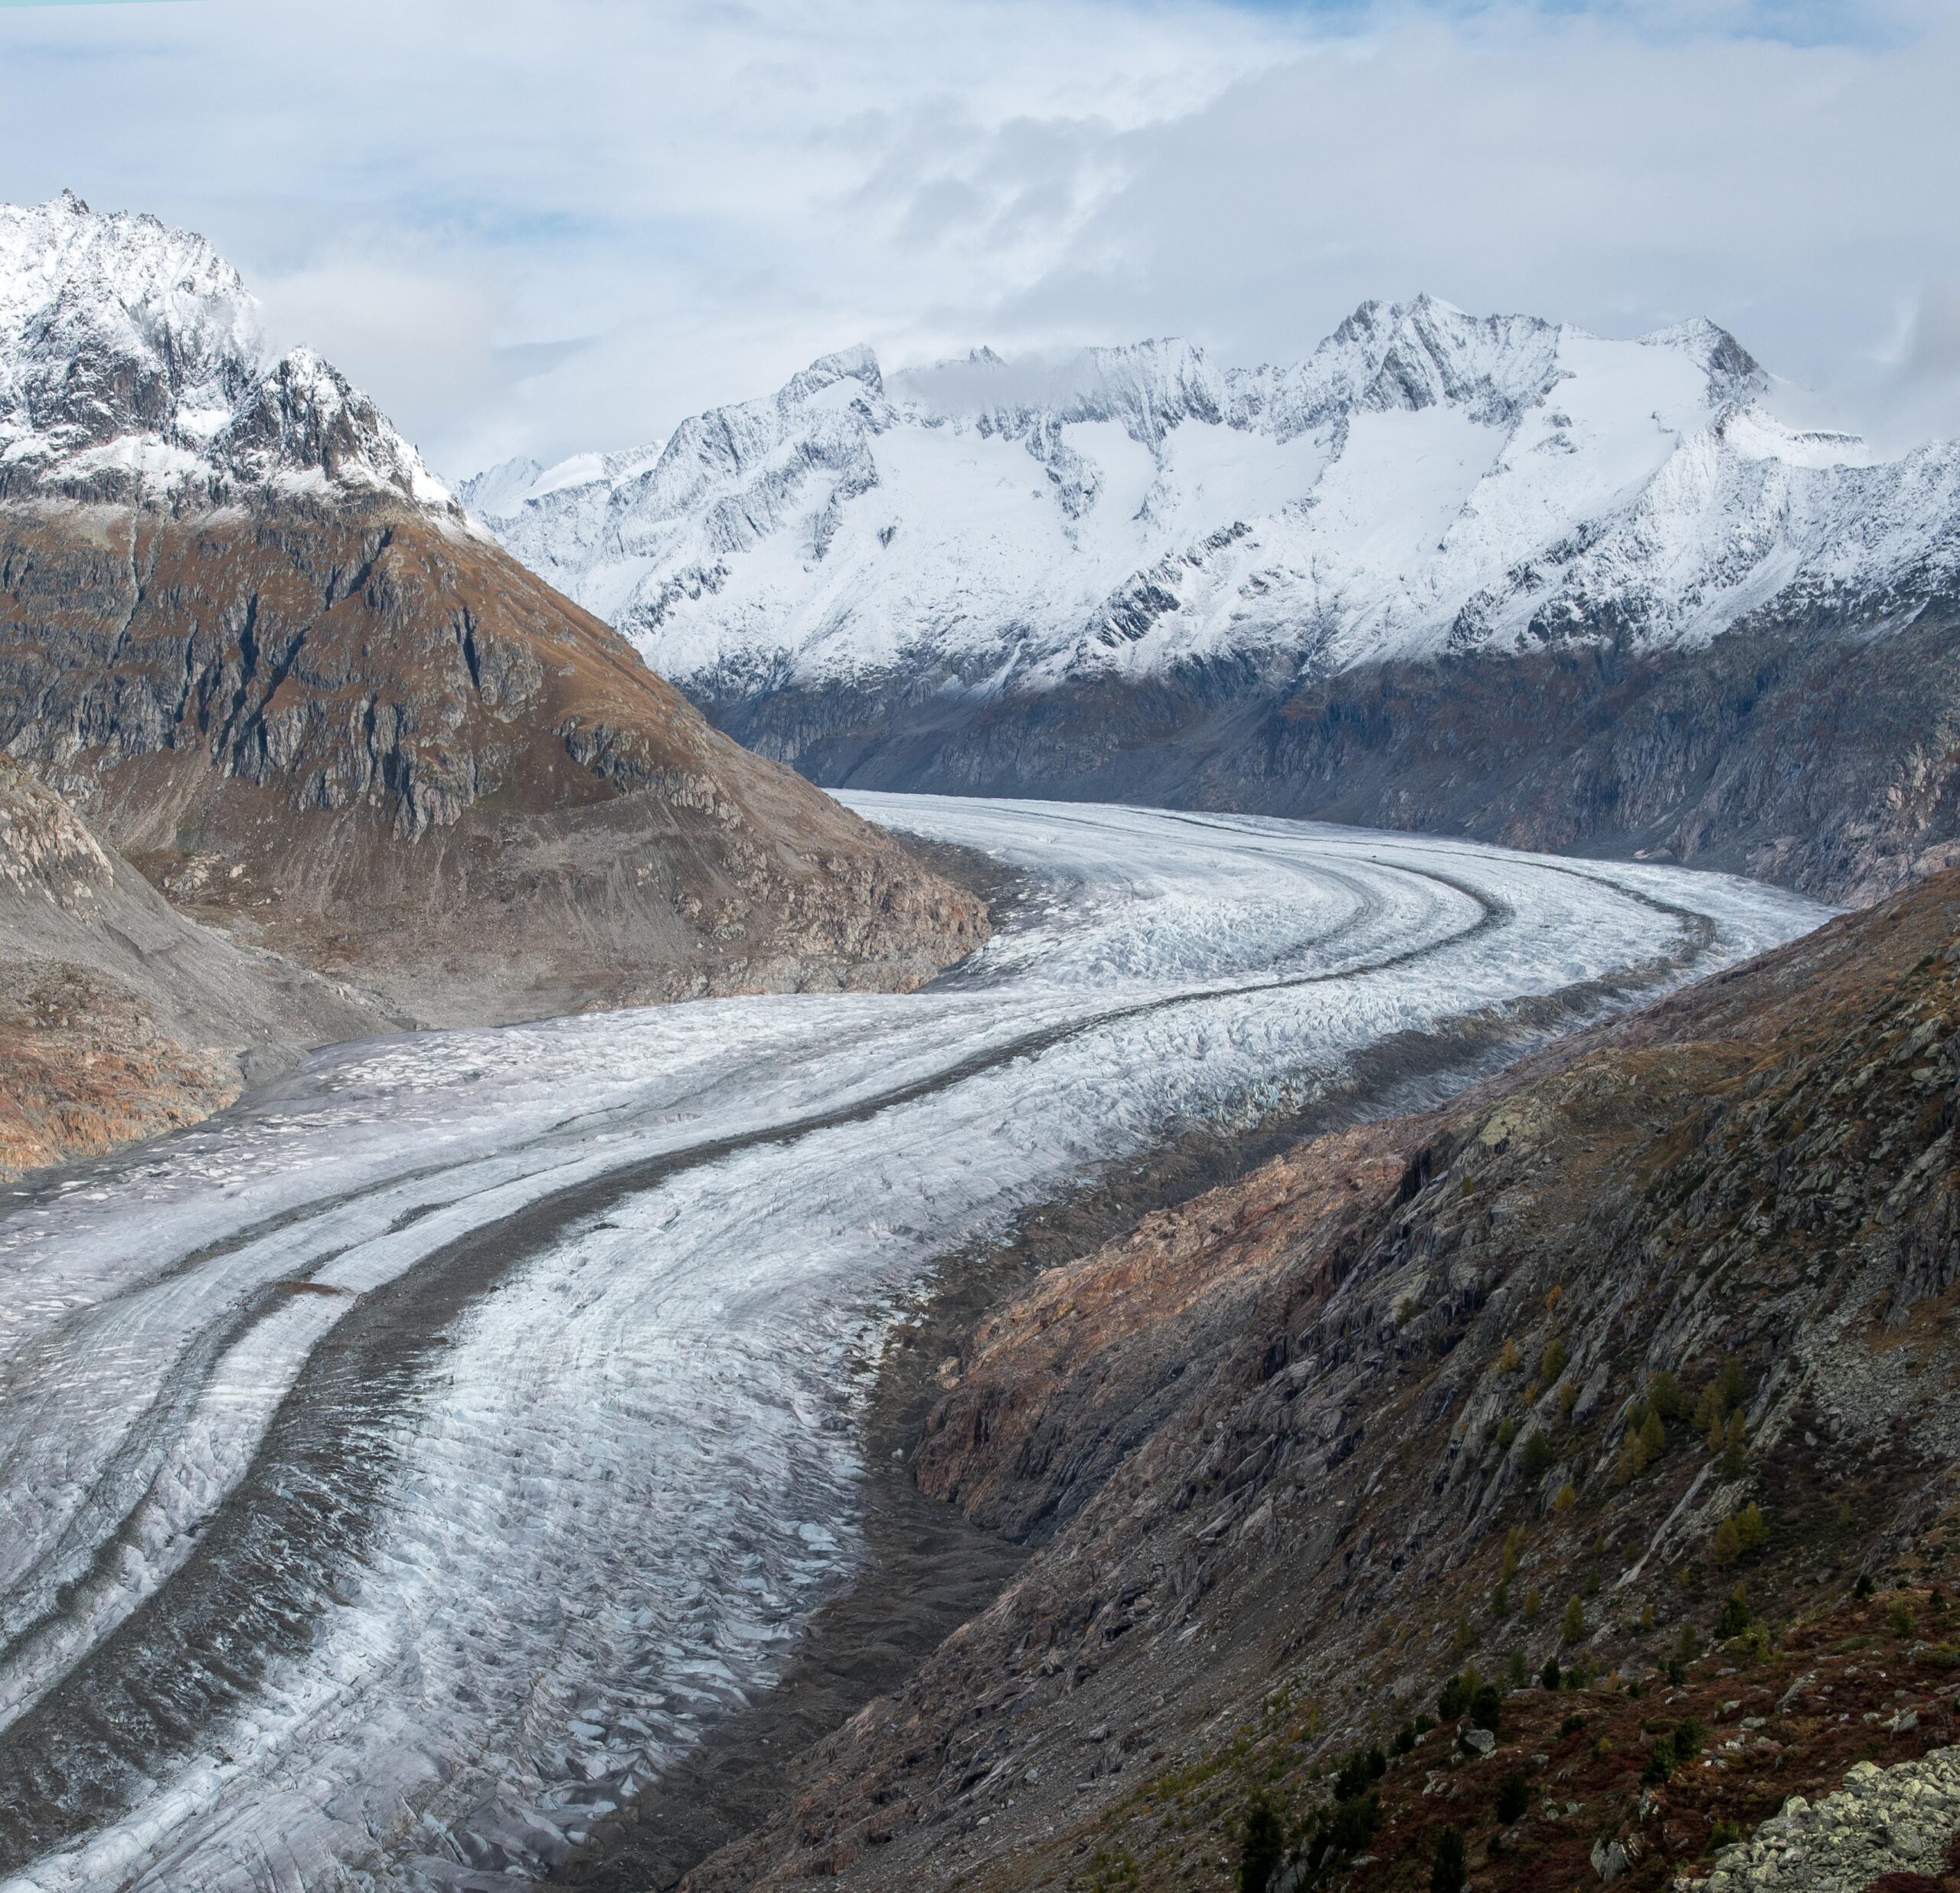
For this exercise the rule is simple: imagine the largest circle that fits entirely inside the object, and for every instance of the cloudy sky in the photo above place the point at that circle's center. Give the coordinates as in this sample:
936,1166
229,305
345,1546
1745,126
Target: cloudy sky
539,226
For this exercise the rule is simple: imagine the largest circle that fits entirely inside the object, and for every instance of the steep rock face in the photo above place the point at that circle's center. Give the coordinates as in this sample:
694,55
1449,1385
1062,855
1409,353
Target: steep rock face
1298,1449
119,1018
243,628
388,750
1135,573
1809,753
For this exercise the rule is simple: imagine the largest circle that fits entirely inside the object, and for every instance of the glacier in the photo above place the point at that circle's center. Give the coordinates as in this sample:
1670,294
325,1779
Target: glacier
1427,482
402,1469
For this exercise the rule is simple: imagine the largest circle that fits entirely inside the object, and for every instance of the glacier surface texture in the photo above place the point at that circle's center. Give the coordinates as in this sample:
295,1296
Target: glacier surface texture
404,1468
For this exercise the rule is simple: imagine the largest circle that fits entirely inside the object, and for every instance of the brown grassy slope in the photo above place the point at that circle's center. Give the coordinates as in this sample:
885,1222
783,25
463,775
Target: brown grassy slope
367,737
1284,1433
119,1018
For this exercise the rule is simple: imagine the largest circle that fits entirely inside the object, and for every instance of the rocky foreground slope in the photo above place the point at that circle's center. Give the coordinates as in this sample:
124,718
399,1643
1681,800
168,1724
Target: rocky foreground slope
1623,1373
259,647
1488,576
119,1018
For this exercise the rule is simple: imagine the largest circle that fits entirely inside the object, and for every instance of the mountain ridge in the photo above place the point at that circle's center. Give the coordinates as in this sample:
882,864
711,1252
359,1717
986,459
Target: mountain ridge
578,522
1131,574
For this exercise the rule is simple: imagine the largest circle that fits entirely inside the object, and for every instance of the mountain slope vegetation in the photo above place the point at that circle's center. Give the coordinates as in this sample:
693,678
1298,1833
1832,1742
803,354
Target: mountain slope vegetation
1626,1372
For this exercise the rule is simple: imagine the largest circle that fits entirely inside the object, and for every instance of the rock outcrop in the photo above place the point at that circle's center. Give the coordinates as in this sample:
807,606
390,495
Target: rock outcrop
1637,1349
119,1018
1901,1821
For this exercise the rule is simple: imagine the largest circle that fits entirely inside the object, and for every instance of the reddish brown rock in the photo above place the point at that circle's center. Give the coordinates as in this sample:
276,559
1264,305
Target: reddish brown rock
119,1018
355,731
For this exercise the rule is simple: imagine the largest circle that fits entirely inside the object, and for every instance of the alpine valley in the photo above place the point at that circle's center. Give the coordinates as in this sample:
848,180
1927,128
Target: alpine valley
1493,576
1109,1346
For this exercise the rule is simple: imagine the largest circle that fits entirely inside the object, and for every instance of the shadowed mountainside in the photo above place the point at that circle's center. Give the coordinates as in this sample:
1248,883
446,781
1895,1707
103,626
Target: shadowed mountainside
1820,755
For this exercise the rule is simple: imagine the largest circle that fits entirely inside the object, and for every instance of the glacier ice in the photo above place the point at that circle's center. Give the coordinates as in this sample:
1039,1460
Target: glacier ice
402,1469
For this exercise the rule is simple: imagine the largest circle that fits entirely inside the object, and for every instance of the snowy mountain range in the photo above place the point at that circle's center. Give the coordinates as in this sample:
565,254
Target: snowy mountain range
1493,576
132,367
1426,482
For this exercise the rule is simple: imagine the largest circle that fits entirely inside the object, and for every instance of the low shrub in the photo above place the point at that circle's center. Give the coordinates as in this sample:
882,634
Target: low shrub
1450,1866
1735,1617
1354,1823
1262,1845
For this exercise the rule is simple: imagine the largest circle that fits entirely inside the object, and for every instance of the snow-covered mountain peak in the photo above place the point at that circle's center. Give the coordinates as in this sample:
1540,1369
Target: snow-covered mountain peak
61,256
851,373
1424,480
1734,374
1429,353
133,366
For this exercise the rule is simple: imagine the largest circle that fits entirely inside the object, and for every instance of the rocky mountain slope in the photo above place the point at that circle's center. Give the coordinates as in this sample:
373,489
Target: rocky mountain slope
119,1018
263,650
1495,575
1620,1374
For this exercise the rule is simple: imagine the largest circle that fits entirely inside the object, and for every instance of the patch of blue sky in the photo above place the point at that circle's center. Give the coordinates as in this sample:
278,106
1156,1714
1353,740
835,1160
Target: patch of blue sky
1873,23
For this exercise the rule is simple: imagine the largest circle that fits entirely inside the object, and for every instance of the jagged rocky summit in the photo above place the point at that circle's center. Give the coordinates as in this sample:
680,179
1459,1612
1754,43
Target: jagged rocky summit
132,368
1495,575
266,655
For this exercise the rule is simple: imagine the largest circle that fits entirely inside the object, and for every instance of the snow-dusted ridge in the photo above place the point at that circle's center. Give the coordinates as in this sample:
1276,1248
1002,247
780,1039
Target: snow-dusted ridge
1425,481
132,368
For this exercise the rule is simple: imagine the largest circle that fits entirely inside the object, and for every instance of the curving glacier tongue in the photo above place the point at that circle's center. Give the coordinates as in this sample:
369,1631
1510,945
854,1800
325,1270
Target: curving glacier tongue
401,1470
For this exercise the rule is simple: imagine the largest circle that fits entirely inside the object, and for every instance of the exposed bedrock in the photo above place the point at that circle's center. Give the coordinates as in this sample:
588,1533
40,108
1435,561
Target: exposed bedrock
119,1018
1822,755
361,734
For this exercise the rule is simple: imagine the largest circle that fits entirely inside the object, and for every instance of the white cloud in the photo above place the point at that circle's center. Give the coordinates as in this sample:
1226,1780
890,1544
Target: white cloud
538,226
